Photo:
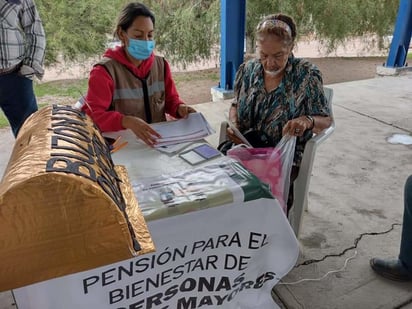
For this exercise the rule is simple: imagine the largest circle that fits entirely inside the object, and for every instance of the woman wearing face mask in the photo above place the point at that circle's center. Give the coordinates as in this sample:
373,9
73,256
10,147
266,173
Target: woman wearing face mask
131,87
278,94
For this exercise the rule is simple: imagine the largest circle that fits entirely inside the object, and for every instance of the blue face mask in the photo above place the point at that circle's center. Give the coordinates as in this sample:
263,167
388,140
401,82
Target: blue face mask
140,49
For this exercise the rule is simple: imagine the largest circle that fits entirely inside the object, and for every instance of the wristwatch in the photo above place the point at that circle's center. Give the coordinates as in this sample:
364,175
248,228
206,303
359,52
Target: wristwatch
312,120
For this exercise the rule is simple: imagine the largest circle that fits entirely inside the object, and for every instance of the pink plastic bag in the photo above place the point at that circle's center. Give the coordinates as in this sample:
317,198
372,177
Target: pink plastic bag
271,165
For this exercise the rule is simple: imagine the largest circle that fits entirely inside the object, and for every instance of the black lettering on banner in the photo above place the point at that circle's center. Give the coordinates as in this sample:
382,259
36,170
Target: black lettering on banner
238,280
86,152
191,286
130,291
141,264
206,284
205,301
140,305
67,110
71,167
112,190
220,299
107,277
65,121
115,296
186,303
103,158
237,262
153,300
224,284
188,285
222,241
71,131
178,272
171,292
128,271
89,282
257,240
263,278
152,283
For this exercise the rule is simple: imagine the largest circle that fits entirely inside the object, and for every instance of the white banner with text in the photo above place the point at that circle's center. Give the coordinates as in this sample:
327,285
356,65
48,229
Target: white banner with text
224,257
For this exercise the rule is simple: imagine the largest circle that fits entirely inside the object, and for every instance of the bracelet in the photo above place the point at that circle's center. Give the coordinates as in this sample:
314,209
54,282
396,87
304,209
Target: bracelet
234,104
312,120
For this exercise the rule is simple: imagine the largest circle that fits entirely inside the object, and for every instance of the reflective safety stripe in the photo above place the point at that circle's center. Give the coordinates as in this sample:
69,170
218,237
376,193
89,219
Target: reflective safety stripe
138,93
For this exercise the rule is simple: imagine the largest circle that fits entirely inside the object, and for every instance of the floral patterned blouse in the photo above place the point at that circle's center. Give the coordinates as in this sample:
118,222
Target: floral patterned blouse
299,93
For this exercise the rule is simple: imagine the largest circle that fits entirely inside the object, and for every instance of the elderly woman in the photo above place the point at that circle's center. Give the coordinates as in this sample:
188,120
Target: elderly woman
278,94
132,87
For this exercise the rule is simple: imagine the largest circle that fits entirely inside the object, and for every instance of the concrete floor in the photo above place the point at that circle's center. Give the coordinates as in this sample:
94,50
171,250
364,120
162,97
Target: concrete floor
356,188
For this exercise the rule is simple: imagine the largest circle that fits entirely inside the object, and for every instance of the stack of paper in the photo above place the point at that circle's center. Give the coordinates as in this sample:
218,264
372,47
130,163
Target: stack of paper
192,128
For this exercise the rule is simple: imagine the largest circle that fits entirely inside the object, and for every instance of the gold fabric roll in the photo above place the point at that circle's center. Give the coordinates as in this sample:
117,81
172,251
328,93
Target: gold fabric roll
64,206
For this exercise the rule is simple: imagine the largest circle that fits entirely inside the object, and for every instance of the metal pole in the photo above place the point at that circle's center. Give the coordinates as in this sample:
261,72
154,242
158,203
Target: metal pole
232,29
401,36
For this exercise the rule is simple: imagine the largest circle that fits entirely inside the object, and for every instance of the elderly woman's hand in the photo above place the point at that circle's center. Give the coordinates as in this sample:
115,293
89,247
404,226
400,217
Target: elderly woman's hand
297,126
184,110
232,136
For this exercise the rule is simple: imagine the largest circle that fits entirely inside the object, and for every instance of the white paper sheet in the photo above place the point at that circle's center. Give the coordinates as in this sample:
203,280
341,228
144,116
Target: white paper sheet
237,132
192,128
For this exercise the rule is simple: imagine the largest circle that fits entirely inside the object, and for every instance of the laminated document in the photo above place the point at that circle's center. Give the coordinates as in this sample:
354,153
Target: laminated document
198,188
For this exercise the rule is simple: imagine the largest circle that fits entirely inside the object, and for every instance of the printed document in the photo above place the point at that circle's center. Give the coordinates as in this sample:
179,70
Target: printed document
193,128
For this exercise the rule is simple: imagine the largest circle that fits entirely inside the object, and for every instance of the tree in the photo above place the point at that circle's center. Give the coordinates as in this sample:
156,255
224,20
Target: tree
77,29
188,31
332,22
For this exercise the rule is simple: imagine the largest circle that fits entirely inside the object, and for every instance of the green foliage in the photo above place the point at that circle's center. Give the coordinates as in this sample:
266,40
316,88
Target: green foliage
336,21
331,21
76,29
73,88
5,123
188,31
3,120
185,77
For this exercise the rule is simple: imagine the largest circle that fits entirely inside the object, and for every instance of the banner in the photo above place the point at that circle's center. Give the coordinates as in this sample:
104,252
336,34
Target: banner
223,257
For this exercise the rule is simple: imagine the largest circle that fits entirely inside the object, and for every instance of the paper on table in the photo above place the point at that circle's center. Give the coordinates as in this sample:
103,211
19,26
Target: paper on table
192,128
175,148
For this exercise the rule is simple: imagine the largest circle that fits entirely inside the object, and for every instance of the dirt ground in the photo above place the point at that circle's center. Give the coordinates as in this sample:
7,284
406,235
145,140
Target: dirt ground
334,70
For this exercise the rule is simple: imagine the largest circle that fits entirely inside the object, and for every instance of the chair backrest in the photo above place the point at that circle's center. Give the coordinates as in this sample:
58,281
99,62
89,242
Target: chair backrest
301,184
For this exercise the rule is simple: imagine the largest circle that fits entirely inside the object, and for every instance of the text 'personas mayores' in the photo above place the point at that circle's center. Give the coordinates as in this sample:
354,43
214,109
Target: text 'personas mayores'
205,273
195,287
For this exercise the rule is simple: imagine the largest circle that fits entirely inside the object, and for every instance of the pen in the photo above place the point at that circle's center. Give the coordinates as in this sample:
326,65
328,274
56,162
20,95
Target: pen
117,148
116,142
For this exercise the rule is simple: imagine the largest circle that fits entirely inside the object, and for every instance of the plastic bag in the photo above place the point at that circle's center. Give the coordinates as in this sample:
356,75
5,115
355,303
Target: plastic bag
271,165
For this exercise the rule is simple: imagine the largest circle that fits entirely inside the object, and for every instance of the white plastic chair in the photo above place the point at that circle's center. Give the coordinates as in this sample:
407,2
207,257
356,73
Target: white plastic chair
301,184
